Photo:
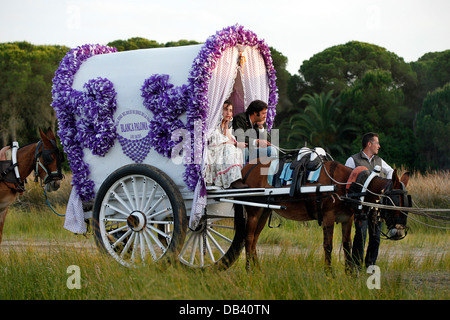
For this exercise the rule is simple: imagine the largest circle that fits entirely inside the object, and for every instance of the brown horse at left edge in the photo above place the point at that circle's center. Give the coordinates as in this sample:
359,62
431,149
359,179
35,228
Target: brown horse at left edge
43,157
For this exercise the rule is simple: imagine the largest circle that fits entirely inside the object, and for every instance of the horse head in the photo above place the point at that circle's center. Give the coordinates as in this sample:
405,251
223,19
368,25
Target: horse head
47,161
396,195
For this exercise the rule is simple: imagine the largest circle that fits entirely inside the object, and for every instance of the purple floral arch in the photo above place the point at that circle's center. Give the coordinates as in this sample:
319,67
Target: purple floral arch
95,127
201,74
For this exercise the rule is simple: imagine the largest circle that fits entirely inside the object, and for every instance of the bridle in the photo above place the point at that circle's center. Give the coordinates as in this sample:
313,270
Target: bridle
396,198
46,161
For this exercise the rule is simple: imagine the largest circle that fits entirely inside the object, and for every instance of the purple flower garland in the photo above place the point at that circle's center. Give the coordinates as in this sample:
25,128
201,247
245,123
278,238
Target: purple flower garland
95,128
167,103
200,77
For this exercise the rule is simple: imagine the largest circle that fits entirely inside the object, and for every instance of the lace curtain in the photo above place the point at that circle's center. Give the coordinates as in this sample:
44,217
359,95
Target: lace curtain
248,64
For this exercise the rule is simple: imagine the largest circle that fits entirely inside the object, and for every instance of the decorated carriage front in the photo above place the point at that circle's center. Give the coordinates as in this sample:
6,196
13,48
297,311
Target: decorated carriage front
135,126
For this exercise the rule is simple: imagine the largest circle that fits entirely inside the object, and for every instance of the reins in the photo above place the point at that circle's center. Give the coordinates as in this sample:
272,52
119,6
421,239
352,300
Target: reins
49,205
417,211
46,154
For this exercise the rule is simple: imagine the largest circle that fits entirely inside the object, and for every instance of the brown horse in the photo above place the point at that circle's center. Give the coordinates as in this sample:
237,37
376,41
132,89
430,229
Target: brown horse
44,158
328,207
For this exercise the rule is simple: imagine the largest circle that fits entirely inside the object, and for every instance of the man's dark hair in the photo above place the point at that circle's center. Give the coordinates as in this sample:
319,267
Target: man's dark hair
256,106
368,138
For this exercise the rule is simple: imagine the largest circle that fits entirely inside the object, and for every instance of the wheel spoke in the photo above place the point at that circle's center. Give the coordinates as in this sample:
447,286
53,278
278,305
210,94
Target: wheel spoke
194,248
154,207
187,244
114,220
220,226
216,244
161,222
208,248
135,192
219,235
166,210
142,245
117,230
144,192
165,235
151,198
156,240
135,246
120,240
150,245
127,246
200,250
127,193
108,205
122,202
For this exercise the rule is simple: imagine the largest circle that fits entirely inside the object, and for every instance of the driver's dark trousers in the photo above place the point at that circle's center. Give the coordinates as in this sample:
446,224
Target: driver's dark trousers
361,228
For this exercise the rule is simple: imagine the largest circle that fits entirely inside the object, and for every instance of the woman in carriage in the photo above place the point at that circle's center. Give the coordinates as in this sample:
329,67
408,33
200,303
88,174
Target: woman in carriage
225,156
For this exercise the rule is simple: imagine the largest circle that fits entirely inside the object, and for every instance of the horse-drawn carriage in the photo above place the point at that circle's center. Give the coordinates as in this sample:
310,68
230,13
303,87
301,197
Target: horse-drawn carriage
134,126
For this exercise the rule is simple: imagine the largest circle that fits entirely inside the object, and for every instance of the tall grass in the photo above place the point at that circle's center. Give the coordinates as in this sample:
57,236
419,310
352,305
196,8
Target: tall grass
32,274
292,266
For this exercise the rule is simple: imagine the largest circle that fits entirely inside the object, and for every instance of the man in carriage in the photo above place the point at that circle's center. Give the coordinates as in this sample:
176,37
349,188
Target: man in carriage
251,126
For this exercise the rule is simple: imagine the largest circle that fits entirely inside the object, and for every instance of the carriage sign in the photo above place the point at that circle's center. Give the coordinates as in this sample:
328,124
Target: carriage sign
133,124
133,127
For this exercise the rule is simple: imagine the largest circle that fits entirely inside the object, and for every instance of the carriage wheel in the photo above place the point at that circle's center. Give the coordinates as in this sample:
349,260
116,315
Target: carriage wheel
139,216
216,242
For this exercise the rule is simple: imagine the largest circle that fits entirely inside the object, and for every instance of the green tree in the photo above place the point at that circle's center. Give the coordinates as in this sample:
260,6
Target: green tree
378,106
134,44
375,87
322,123
26,72
375,103
433,129
339,67
283,76
433,71
142,43
15,71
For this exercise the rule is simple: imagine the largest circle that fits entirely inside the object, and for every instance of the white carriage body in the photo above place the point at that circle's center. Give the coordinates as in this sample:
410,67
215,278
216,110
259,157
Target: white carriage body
234,64
128,71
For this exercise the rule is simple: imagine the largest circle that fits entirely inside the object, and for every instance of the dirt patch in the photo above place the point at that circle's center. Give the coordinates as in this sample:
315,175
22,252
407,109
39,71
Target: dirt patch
45,245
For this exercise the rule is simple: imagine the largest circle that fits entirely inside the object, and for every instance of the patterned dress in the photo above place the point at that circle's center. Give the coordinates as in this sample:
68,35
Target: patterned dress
225,160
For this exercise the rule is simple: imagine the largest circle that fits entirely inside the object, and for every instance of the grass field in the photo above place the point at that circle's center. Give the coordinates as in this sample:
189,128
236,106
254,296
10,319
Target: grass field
37,252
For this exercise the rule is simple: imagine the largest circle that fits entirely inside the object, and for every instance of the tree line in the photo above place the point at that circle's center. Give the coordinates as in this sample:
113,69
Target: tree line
337,95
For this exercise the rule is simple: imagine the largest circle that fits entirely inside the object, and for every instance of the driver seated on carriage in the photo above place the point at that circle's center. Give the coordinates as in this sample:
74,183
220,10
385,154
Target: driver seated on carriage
225,158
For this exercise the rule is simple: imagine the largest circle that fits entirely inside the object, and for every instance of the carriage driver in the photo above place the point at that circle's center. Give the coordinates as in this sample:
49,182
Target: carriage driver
252,125
368,157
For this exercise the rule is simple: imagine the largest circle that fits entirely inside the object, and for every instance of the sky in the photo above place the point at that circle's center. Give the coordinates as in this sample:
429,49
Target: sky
296,28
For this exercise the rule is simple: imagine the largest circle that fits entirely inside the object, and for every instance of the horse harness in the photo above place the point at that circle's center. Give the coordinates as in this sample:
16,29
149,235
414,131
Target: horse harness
47,160
307,160
9,173
357,191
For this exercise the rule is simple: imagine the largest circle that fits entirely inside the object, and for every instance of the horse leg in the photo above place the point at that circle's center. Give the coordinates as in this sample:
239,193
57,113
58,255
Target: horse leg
2,222
347,243
328,228
250,228
260,226
256,219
